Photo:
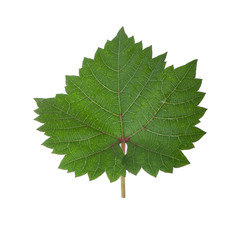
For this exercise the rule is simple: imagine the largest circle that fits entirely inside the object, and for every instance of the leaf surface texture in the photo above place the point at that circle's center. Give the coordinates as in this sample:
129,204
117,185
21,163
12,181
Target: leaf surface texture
124,95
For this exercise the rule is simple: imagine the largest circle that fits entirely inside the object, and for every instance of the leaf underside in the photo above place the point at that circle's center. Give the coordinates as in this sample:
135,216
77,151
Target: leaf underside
124,95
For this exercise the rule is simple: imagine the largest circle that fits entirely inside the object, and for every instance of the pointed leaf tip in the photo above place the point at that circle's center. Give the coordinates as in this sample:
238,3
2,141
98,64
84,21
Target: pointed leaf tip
164,55
121,32
37,100
193,63
121,29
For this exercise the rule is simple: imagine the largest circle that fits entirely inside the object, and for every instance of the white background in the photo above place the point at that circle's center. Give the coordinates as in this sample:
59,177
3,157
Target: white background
41,42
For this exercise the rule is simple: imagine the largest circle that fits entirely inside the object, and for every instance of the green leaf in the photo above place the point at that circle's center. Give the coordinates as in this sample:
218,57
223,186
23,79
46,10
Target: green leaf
124,95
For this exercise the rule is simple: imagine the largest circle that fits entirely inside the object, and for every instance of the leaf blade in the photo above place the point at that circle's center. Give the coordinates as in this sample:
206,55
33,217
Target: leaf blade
124,95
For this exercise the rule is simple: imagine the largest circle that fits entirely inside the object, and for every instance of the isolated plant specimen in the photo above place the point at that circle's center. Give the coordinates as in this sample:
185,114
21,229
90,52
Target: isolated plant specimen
124,96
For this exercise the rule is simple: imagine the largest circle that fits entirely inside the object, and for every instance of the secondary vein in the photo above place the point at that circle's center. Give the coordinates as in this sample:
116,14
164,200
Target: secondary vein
163,103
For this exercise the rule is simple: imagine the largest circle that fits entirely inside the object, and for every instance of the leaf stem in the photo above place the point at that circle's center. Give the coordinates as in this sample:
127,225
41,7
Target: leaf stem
123,190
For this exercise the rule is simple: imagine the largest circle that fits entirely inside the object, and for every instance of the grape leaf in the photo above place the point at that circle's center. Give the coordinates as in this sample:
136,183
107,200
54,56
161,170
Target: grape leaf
124,95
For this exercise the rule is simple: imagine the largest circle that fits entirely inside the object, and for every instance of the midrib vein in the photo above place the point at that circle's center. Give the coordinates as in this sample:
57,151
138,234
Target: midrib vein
119,99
